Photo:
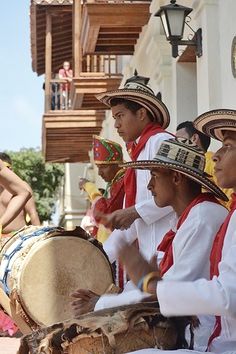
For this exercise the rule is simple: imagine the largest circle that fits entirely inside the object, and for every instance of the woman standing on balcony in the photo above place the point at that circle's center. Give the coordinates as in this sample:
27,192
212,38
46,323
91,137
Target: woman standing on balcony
65,74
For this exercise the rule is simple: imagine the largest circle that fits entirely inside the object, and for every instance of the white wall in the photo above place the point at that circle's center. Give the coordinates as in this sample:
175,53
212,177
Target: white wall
75,203
188,89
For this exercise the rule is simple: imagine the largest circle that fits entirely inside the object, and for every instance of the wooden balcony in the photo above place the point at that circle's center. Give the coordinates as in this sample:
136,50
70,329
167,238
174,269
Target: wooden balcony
99,73
67,135
112,27
84,88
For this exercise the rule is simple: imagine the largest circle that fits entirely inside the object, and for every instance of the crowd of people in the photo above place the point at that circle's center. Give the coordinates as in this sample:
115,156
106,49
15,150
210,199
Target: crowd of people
166,217
174,234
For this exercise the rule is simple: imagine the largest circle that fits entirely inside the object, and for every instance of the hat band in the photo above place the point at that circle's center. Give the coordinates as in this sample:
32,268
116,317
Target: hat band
168,153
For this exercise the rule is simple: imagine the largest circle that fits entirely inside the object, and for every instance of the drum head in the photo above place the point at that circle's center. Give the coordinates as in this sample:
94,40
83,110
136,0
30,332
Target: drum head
53,269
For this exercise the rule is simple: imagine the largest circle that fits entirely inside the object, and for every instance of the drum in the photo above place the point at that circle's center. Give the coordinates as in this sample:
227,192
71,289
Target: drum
41,266
116,330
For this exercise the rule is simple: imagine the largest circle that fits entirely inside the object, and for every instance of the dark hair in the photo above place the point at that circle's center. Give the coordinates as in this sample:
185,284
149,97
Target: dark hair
191,130
5,157
131,105
194,186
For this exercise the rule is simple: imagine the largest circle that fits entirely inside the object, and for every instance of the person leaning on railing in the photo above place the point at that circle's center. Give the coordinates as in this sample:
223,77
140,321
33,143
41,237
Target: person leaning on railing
65,73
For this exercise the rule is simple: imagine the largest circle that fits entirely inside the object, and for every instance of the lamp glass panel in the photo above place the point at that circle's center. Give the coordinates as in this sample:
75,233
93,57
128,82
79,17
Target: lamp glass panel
165,26
176,22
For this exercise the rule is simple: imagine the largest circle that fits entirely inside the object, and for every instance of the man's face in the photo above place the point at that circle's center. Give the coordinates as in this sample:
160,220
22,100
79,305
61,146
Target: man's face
107,171
225,161
161,186
127,123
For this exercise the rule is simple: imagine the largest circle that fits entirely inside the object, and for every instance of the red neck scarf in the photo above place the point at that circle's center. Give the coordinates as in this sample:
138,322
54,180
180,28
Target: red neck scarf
215,258
166,244
134,151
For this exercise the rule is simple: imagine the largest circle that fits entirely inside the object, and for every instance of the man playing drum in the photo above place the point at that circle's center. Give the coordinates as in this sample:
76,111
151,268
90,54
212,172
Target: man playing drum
140,119
20,195
218,295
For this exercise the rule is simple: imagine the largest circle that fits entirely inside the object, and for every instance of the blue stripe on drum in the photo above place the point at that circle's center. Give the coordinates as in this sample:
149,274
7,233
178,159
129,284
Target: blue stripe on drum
9,256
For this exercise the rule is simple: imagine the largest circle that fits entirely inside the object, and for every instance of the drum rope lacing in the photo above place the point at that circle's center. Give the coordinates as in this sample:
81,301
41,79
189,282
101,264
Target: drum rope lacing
9,256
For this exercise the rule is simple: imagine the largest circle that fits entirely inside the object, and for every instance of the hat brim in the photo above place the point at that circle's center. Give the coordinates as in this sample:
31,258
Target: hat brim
156,107
194,175
215,122
108,162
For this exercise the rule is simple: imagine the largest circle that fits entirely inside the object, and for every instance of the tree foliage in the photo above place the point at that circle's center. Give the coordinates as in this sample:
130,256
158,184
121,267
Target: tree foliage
44,178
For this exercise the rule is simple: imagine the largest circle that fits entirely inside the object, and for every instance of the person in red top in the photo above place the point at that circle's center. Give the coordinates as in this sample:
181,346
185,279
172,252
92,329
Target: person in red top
107,157
65,74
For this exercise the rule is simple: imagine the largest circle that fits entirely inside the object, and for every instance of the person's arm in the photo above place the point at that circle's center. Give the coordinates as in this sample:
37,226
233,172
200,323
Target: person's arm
125,298
180,298
117,239
30,209
90,188
193,242
150,212
61,74
20,194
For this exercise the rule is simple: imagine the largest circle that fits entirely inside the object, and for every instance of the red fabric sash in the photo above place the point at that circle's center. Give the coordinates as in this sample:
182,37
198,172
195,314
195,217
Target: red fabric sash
134,151
215,258
166,244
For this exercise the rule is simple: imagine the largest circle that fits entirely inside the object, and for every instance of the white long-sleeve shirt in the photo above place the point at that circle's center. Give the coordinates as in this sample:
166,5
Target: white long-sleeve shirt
154,221
213,297
191,252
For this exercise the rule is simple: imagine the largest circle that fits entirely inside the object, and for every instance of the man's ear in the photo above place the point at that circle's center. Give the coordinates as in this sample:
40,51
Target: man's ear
195,139
142,113
177,177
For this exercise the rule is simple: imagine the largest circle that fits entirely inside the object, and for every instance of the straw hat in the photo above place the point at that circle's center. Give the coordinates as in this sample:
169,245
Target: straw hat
136,90
215,122
181,155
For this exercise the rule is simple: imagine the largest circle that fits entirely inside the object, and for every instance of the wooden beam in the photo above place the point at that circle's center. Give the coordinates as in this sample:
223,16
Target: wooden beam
115,41
116,50
117,36
119,30
77,55
48,61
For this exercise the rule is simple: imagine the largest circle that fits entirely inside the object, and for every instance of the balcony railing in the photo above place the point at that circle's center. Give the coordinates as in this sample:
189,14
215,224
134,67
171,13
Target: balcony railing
115,1
60,95
106,64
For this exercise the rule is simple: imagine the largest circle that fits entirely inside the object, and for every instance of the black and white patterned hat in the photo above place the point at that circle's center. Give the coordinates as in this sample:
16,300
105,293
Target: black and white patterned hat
184,156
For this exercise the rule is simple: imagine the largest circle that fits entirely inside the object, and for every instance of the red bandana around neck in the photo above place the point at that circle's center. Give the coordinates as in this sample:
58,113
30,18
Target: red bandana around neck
134,150
215,258
166,243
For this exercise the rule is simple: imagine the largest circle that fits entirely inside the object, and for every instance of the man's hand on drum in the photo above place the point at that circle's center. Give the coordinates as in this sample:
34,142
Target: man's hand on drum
120,219
137,267
85,301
